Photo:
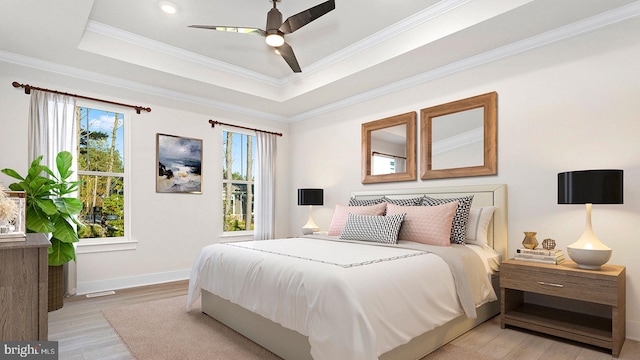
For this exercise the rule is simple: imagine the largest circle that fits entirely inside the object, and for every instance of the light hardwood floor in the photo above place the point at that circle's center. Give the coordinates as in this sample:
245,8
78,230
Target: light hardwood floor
83,333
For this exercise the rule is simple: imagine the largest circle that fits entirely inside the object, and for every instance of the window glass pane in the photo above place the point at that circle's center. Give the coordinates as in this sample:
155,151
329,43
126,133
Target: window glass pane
235,207
102,206
239,151
101,140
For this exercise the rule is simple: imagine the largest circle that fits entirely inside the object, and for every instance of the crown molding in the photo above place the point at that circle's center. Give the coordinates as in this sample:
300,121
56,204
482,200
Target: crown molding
160,47
381,36
131,85
595,22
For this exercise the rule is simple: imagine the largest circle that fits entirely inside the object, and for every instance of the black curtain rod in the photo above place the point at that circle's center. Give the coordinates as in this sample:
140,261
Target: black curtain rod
28,88
389,155
215,122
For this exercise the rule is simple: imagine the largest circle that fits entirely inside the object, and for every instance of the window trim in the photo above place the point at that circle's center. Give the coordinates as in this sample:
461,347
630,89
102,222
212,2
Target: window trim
126,242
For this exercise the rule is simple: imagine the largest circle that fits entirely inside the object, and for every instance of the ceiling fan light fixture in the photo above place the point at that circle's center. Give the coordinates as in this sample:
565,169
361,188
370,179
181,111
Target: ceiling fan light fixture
168,7
274,40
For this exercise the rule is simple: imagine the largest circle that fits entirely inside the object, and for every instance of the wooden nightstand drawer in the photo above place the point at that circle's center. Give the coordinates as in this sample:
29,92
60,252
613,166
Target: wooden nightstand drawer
553,283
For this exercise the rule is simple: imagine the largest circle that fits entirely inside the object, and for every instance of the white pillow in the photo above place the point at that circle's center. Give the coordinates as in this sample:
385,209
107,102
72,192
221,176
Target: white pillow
478,224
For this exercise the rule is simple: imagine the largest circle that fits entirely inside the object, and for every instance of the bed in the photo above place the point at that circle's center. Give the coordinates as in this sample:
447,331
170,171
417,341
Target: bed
289,327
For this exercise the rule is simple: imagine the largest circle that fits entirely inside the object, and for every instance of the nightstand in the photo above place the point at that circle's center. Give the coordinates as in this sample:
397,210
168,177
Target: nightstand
521,281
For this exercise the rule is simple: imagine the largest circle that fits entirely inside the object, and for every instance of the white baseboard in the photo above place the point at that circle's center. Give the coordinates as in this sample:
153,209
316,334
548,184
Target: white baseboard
633,330
134,281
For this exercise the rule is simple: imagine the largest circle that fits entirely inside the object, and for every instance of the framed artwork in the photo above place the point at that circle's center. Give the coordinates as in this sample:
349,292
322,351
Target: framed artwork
179,161
15,230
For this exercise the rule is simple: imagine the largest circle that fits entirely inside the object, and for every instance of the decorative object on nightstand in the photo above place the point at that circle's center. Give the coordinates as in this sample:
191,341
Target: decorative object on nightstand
530,241
310,197
590,187
548,244
552,257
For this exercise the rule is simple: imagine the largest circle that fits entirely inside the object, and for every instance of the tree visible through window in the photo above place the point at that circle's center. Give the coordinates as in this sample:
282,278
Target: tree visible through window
101,169
237,181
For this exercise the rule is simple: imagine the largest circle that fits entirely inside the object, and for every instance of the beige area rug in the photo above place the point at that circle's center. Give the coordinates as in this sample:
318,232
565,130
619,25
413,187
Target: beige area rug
163,329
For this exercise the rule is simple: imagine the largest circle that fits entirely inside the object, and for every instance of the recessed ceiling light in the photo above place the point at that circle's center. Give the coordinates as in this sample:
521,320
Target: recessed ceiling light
168,7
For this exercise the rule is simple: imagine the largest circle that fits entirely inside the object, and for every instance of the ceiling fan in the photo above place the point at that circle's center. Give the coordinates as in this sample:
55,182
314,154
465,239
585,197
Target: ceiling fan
276,29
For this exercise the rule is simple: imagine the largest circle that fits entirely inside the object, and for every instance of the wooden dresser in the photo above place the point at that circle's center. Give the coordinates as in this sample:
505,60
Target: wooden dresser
23,289
578,289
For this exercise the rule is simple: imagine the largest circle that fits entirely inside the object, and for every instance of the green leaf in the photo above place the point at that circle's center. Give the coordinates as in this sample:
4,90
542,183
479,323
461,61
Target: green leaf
71,206
47,206
64,161
21,186
61,253
38,221
12,173
64,231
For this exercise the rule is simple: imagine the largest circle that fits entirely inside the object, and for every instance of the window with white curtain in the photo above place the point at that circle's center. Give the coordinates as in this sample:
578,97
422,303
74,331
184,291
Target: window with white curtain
102,167
238,176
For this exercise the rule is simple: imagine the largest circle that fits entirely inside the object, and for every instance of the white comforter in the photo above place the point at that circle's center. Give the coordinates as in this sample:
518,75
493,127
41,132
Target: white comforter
353,300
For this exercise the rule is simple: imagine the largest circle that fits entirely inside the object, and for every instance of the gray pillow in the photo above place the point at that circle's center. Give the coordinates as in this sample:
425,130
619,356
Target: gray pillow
383,229
364,202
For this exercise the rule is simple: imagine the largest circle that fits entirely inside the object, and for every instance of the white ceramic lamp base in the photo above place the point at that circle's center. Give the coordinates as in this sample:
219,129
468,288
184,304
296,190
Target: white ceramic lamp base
310,227
589,258
588,252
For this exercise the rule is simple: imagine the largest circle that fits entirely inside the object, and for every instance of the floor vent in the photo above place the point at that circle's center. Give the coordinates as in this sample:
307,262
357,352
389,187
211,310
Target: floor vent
102,293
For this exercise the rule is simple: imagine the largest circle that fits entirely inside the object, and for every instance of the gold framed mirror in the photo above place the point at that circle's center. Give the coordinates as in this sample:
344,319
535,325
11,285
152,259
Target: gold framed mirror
458,139
389,149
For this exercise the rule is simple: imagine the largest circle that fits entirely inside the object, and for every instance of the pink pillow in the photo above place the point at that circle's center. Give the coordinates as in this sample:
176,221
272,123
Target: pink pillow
341,213
426,224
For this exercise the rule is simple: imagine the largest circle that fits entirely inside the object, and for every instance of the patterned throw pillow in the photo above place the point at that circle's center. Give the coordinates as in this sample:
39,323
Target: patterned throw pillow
382,229
459,226
364,202
425,224
341,213
404,202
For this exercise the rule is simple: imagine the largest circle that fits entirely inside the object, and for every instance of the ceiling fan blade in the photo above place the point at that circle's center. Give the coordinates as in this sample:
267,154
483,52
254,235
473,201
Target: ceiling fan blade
242,30
301,19
287,54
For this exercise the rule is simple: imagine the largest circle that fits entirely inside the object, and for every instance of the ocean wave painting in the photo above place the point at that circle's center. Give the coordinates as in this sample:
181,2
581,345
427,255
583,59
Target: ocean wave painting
179,164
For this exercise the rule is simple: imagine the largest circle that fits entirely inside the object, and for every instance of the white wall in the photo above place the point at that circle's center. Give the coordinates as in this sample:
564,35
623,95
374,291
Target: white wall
569,106
169,229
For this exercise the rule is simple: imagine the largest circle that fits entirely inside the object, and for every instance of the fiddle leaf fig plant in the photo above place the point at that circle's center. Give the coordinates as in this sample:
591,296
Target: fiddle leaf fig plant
48,208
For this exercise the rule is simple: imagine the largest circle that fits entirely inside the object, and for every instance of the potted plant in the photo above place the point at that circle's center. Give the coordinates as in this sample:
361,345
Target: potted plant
50,211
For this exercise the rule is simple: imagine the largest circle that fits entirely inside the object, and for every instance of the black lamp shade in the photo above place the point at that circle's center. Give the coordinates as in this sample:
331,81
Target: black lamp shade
590,186
310,196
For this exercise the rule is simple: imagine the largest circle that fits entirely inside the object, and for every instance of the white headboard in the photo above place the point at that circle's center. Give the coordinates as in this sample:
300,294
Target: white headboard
483,195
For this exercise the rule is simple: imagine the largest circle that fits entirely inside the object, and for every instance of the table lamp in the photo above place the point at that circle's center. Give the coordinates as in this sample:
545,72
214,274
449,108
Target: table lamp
590,187
310,197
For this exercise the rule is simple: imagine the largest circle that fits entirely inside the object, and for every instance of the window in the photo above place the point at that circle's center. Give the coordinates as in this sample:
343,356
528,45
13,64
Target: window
237,181
101,167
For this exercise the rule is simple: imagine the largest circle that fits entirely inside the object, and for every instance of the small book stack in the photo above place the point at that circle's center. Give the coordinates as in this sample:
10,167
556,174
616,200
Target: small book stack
540,255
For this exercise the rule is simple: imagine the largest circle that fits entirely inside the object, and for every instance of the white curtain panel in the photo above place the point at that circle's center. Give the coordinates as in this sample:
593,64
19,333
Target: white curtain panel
53,128
265,188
